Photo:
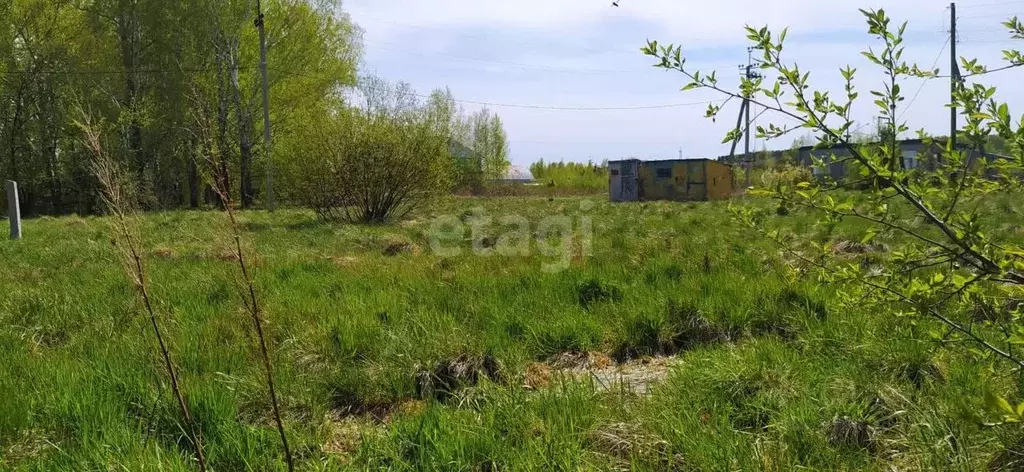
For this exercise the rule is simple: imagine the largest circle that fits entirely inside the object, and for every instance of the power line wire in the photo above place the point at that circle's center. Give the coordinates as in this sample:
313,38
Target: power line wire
498,62
989,15
103,71
543,107
560,108
991,41
925,82
993,4
523,66
471,102
982,30
491,37
985,72
203,70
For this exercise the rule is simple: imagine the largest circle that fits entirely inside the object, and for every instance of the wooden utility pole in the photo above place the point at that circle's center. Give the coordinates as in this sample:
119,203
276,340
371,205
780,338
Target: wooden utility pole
736,138
271,204
750,75
746,137
954,75
744,116
13,209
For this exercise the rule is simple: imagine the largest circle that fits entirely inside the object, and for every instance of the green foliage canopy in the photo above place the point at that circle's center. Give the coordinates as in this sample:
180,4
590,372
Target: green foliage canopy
145,68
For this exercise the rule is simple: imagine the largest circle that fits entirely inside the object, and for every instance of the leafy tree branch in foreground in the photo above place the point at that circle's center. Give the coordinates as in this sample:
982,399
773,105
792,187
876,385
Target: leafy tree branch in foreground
949,263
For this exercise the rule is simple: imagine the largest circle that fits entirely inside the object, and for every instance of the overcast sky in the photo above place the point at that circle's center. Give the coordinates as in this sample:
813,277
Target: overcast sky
585,53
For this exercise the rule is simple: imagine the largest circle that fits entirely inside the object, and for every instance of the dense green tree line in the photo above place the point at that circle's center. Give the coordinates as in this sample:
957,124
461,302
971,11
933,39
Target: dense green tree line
145,69
478,141
164,79
571,174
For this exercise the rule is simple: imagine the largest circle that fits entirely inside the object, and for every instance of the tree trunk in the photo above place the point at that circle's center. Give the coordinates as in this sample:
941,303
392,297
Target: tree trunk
49,121
129,36
223,179
193,183
16,124
244,118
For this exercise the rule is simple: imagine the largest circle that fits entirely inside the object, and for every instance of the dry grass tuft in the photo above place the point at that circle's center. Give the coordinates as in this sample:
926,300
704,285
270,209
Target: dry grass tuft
636,376
627,443
344,261
345,435
845,246
394,246
31,443
225,255
1010,459
690,329
538,375
450,375
164,253
920,370
580,360
845,432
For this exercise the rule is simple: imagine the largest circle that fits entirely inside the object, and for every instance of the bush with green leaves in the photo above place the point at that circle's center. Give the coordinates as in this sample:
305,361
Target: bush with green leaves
784,175
959,275
371,165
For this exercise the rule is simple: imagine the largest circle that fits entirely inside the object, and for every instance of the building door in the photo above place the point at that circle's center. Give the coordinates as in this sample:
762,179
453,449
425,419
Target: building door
696,181
628,176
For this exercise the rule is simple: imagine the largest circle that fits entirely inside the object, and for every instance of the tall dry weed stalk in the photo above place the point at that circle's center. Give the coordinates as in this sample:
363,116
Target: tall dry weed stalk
255,311
247,290
117,192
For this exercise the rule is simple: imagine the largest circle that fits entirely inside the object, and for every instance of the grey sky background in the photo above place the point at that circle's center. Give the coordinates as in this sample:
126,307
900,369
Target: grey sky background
585,53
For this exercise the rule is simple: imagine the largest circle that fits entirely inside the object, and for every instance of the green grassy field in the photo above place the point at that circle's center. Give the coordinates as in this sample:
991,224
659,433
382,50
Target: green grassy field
764,373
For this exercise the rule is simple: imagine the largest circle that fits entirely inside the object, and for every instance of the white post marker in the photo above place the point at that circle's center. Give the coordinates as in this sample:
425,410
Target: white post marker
13,209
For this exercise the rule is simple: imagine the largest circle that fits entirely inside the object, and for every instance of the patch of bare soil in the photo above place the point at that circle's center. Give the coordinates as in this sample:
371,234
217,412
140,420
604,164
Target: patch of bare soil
635,376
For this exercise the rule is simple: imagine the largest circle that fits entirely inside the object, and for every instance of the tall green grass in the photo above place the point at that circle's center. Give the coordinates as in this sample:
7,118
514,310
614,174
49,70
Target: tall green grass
765,366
